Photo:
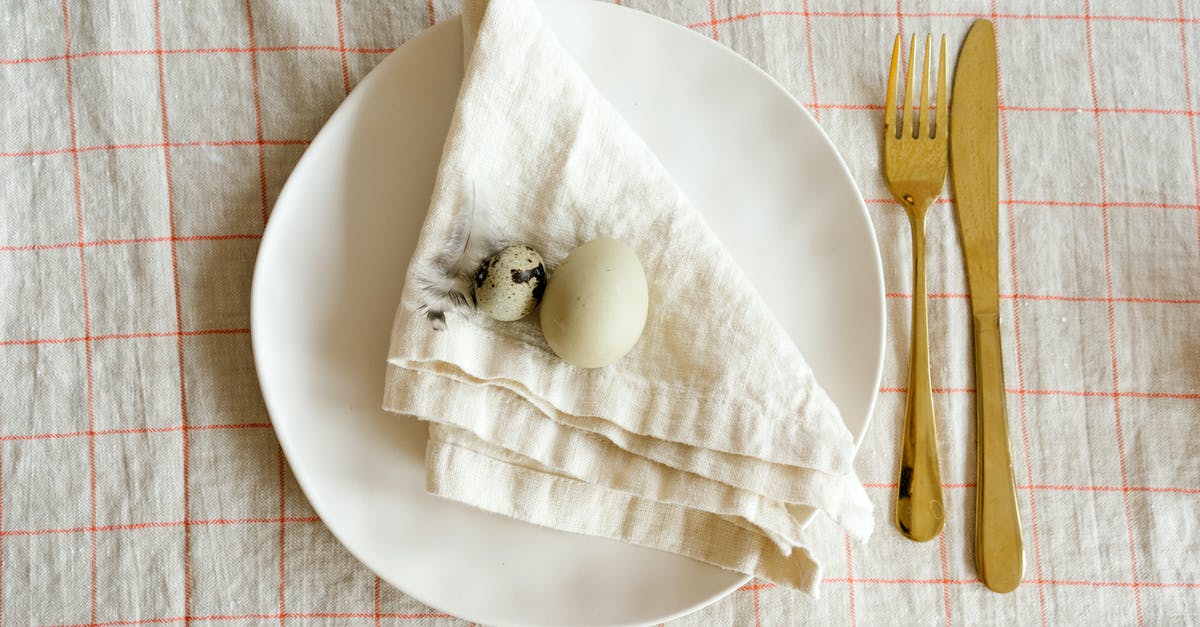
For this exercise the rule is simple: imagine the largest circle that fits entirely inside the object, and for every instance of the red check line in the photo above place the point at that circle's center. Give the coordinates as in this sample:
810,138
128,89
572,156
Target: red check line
1187,89
282,535
1120,299
1048,582
87,318
249,617
25,60
930,581
35,437
378,599
312,615
1122,394
258,118
159,146
757,611
1100,205
945,563
341,32
960,15
171,524
126,623
1054,488
946,200
712,16
432,13
1028,109
190,51
136,240
1123,584
899,16
1135,205
1052,297
850,579
1134,110
253,521
1111,314
1150,489
812,66
123,336
845,107
183,409
265,212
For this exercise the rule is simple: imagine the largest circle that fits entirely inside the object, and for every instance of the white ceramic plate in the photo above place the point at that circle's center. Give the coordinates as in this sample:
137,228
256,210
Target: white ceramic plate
331,265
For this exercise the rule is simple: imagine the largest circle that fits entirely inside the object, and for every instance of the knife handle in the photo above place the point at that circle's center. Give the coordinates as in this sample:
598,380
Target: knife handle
999,556
919,511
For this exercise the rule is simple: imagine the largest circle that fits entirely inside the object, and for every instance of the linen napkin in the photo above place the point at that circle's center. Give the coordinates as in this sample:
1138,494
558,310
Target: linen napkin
710,439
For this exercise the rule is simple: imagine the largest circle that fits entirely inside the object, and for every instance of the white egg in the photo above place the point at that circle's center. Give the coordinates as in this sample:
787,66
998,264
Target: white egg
509,284
596,303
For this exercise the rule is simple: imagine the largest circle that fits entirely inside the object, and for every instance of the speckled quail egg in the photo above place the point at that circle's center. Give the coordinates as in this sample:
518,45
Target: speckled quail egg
510,283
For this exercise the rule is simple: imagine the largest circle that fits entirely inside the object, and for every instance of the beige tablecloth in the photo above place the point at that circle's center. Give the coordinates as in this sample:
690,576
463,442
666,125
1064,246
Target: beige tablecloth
142,144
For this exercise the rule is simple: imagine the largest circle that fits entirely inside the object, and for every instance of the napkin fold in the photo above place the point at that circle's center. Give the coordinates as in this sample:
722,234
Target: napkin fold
711,439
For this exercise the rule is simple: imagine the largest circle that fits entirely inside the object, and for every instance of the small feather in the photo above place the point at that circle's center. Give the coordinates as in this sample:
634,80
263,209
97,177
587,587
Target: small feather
437,319
444,281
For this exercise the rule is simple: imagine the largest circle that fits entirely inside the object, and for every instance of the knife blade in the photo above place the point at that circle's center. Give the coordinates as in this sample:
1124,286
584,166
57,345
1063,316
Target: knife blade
974,174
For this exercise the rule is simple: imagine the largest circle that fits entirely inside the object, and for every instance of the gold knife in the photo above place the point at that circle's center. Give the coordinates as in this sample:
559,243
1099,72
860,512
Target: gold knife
974,147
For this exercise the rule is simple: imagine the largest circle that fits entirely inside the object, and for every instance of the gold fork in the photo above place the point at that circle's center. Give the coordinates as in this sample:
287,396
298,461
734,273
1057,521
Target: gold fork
914,164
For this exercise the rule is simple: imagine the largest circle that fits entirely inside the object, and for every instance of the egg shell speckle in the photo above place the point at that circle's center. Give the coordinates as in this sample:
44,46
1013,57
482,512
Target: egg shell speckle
509,284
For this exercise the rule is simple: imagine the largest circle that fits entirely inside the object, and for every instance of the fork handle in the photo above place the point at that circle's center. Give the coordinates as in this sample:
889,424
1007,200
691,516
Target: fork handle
919,510
999,556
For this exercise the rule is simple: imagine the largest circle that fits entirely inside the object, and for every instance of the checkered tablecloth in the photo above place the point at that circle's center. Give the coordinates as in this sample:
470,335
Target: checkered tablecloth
143,142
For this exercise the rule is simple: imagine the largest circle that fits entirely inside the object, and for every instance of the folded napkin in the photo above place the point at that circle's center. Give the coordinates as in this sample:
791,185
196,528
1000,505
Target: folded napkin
710,439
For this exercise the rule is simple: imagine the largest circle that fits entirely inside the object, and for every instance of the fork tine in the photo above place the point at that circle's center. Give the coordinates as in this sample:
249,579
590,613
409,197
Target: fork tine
889,109
923,120
906,113
942,112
